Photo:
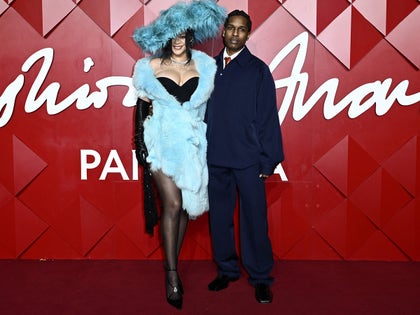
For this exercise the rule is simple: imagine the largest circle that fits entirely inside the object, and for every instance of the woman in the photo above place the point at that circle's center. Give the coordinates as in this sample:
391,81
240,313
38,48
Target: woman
177,81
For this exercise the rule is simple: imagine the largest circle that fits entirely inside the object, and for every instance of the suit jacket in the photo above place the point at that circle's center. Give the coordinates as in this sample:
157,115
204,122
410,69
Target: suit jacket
242,119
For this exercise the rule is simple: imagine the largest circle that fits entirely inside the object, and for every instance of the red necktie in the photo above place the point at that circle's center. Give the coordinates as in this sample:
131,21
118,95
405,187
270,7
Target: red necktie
227,60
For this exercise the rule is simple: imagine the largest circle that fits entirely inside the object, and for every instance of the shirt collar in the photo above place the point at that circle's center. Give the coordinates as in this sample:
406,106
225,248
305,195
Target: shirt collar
231,56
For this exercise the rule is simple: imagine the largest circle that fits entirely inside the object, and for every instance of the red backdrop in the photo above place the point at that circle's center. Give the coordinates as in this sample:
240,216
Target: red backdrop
347,76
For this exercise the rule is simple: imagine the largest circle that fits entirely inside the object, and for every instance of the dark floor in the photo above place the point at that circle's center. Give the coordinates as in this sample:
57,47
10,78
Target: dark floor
137,287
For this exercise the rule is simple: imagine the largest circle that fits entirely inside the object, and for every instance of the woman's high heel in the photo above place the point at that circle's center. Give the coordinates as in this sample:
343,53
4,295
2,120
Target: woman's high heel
174,297
181,288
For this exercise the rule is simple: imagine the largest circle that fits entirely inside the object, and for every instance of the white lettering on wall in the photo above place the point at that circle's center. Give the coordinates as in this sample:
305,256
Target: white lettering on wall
91,160
359,100
376,94
298,81
113,157
85,165
36,98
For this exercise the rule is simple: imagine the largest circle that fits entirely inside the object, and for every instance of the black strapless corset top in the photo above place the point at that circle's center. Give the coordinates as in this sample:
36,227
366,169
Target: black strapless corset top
181,92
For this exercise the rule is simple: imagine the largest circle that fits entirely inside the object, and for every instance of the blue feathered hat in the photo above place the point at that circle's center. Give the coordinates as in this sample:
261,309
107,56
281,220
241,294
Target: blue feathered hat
204,17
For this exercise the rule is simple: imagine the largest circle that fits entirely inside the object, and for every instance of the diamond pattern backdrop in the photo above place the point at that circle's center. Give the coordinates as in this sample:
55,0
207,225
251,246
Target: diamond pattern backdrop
348,89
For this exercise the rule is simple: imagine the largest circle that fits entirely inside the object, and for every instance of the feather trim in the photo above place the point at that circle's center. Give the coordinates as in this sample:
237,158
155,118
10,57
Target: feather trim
203,16
175,135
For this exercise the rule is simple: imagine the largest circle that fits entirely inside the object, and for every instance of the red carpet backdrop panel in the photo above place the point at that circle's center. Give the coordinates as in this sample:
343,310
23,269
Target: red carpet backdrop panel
348,92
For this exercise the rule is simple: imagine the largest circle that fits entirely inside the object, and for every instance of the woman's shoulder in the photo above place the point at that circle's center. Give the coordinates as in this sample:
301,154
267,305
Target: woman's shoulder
149,61
148,64
155,61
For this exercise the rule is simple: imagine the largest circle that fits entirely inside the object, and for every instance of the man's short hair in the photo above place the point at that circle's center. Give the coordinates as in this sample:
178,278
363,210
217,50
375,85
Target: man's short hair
240,13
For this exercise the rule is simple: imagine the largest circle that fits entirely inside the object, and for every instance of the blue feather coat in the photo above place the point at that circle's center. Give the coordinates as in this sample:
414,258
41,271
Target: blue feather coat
175,135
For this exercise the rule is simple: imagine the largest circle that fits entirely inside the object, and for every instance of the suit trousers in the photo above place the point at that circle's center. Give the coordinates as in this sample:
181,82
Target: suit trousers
255,245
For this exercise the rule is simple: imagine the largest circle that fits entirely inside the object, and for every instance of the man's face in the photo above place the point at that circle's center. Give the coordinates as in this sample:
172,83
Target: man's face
235,34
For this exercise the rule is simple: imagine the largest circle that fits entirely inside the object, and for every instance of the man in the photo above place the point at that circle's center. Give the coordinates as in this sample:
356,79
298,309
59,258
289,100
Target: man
244,147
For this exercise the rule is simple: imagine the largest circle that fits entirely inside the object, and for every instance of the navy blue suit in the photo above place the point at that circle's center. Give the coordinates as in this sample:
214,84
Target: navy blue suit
244,140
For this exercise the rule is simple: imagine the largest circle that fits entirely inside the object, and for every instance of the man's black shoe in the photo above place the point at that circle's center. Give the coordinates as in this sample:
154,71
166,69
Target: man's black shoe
220,283
263,293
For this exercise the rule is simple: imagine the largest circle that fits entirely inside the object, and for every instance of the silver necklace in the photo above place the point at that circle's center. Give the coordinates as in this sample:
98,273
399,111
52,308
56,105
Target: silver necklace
181,63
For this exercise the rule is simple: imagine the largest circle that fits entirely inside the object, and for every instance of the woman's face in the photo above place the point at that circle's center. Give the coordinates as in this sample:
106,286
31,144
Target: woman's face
178,45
